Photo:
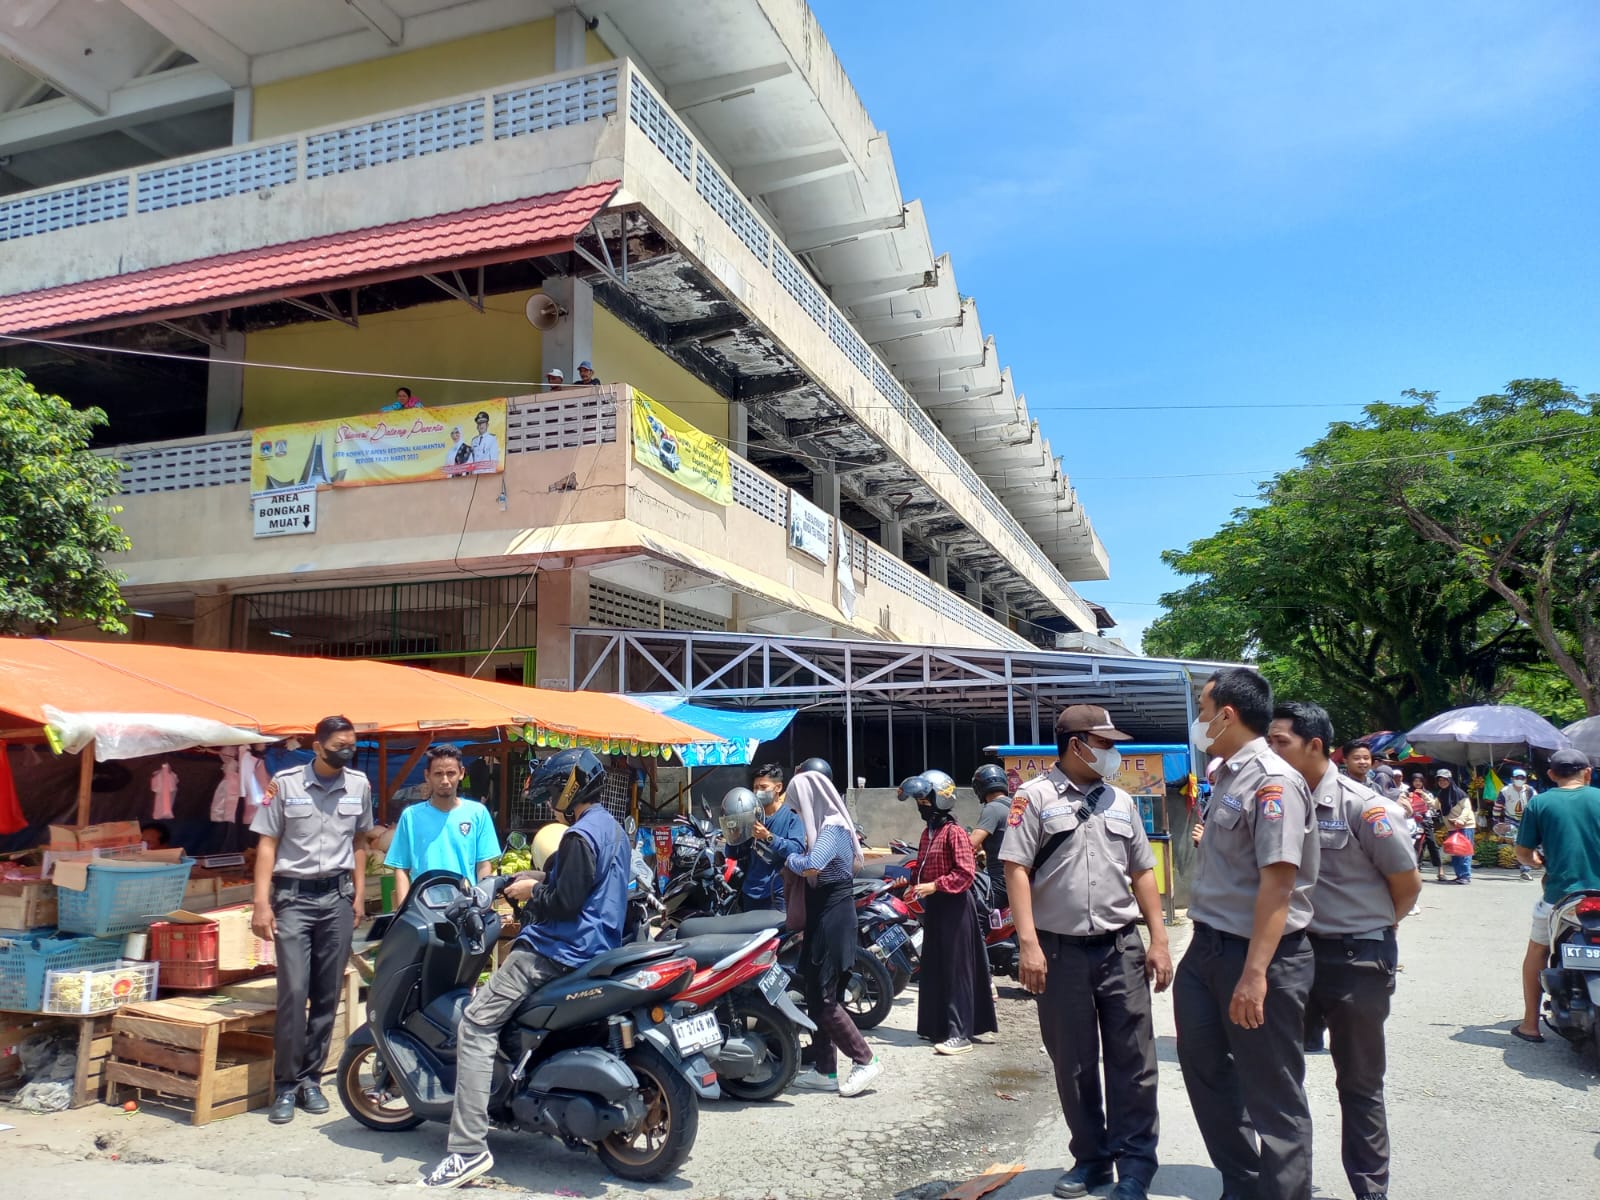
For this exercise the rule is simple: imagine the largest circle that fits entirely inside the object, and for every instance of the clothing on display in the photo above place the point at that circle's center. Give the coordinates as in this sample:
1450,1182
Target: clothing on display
164,785
11,818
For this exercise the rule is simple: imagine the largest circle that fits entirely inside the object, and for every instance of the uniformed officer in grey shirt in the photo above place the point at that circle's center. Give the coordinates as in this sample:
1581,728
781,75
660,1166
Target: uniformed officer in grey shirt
310,877
1367,881
1080,872
1241,989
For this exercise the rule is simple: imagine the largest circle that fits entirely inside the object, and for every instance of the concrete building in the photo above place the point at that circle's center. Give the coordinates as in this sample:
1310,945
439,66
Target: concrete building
216,218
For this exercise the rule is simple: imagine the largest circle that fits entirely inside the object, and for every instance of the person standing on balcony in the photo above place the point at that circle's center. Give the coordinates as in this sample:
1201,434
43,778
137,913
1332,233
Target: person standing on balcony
485,446
586,375
555,379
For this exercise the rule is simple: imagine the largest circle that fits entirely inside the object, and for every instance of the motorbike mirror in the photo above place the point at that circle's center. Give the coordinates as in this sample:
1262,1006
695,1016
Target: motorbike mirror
631,825
517,841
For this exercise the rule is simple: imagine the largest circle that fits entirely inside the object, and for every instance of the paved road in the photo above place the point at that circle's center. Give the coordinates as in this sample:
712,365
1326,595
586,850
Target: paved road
1474,1114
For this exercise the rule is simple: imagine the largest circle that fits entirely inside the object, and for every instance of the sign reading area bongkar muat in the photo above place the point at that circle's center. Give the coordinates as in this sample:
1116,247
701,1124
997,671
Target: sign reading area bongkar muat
403,446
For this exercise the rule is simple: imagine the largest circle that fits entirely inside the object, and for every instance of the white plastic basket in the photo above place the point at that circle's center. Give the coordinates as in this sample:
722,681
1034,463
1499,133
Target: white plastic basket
100,989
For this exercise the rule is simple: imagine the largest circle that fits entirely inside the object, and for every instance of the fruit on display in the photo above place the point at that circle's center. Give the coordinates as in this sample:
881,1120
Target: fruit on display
108,987
513,861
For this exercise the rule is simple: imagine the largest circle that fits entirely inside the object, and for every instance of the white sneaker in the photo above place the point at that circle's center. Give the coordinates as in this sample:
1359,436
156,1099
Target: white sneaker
1415,910
453,1171
860,1077
810,1080
955,1045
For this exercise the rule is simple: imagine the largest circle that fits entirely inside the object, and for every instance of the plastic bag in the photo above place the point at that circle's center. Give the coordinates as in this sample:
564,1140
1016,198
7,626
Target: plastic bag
1457,843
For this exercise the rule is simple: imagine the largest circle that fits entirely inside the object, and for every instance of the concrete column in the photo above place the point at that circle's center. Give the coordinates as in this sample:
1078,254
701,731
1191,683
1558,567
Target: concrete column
825,491
571,39
213,620
563,604
738,428
894,537
244,112
572,340
939,568
975,591
225,386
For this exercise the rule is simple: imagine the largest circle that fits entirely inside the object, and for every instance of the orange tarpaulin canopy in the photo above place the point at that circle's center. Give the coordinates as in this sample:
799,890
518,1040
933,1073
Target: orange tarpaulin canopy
279,696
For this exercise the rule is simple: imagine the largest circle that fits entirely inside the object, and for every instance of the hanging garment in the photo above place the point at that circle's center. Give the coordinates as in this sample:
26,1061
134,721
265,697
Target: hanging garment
225,800
164,785
11,818
253,782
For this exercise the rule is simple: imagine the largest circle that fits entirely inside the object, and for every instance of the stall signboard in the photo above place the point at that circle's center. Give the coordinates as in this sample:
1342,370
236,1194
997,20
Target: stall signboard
809,528
276,514
403,446
670,446
1141,774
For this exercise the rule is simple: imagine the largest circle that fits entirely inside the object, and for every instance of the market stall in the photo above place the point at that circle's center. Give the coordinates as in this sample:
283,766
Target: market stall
93,922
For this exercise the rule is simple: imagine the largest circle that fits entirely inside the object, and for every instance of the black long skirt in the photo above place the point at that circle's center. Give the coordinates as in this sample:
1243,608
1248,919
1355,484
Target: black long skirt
953,998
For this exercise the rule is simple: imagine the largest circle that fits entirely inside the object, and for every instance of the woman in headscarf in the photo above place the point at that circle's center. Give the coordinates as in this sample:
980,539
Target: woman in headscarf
952,1007
828,865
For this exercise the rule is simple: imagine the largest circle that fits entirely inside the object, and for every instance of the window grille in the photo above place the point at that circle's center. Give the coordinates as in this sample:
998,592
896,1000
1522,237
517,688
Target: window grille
395,139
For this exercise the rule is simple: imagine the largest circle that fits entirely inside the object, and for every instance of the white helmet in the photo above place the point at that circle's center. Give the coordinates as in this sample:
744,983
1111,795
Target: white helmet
740,811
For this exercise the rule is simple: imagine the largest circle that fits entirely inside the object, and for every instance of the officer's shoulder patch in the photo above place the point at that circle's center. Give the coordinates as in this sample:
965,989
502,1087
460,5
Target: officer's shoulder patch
270,792
1382,828
1374,814
1272,809
1270,792
1019,805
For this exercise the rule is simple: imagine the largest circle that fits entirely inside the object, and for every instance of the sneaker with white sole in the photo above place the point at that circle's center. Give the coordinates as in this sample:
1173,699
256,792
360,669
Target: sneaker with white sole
453,1170
812,1080
955,1045
860,1077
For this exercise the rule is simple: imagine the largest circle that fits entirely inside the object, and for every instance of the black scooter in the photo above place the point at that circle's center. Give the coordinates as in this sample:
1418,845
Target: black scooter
1571,981
591,1058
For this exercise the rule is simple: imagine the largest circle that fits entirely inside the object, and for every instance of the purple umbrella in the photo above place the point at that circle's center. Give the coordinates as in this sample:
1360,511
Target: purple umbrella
1486,733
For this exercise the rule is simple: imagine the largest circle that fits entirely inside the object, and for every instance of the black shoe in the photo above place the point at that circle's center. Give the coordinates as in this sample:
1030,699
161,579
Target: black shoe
1082,1180
1314,1047
282,1110
311,1099
1128,1189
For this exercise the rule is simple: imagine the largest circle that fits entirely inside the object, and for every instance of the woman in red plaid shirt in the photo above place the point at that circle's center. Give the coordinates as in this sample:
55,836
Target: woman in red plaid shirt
952,1008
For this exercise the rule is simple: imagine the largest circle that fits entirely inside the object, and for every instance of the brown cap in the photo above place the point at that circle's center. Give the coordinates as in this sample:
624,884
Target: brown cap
1089,718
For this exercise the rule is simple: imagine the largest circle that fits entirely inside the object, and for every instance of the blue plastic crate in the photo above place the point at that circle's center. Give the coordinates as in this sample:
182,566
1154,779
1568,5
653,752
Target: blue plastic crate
123,898
25,961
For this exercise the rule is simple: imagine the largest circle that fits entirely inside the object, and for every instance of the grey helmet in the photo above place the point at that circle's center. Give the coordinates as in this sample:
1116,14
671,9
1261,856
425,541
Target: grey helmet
944,789
740,812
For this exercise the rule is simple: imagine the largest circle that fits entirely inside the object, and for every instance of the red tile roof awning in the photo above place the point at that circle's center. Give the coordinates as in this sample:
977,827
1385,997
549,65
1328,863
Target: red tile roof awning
472,237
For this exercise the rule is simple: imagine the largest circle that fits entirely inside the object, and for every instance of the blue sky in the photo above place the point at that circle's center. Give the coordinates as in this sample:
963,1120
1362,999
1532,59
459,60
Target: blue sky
1300,207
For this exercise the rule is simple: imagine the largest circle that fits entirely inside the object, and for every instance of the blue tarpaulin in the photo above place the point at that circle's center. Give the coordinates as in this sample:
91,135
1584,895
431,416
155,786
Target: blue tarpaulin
734,733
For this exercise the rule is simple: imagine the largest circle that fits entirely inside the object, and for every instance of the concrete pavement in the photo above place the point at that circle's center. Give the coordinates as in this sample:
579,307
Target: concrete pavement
1474,1114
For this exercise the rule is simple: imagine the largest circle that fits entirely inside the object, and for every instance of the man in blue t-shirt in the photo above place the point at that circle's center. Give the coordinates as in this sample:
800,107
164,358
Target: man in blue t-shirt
1559,831
779,833
445,832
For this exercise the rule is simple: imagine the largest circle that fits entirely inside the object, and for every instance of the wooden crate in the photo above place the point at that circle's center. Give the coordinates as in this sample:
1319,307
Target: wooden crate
351,1015
209,1055
94,1044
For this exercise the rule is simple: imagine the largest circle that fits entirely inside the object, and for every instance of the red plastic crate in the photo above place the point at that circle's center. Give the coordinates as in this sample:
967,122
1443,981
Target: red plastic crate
187,954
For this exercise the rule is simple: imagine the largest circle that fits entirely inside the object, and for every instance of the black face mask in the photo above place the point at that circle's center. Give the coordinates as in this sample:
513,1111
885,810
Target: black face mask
339,758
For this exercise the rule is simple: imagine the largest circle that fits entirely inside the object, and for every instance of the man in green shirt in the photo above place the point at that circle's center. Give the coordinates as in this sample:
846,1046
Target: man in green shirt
1560,831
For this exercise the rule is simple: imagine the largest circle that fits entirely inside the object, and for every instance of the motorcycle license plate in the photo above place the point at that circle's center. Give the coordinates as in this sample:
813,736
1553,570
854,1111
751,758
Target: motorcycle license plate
890,940
696,1033
1578,957
916,941
774,983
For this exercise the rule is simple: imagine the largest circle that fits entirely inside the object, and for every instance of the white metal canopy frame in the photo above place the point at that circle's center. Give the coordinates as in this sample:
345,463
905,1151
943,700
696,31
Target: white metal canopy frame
1153,699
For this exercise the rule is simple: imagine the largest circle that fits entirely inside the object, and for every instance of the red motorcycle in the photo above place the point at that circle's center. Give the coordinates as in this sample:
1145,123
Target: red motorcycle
743,994
999,931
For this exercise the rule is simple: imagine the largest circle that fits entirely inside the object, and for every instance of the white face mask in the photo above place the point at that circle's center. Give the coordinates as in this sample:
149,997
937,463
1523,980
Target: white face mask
1106,763
1200,734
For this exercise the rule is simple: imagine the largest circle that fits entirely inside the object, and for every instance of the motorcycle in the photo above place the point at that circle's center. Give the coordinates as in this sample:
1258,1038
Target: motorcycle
999,930
1571,982
605,1056
889,930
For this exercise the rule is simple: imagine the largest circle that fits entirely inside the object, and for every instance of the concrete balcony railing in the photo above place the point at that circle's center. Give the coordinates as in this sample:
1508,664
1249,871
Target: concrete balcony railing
603,121
572,491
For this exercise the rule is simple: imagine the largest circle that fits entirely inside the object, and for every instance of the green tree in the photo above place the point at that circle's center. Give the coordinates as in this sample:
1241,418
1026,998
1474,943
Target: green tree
1338,599
1509,486
56,525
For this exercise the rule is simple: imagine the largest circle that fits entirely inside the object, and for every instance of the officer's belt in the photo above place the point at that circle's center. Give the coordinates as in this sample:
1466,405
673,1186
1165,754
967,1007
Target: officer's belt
311,887
1372,935
1091,939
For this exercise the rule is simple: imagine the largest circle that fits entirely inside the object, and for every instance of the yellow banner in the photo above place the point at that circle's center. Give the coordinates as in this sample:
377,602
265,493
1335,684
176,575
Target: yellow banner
403,446
666,443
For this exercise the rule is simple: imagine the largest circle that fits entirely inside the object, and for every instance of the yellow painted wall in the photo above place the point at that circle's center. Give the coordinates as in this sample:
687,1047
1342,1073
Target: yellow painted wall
447,339
411,78
622,356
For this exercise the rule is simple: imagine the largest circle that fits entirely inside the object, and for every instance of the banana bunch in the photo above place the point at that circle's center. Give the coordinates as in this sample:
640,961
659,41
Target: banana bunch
1508,856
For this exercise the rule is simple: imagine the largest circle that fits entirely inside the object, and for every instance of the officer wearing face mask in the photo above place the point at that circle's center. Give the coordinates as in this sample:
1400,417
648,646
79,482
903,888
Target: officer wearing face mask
1080,872
310,879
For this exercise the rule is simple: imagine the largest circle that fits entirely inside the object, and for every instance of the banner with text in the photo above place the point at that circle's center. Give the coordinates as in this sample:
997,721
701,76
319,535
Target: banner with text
671,446
403,446
809,527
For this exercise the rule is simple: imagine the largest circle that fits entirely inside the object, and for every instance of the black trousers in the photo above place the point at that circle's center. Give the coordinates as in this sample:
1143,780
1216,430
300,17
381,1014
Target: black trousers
1353,986
1247,1086
1096,1004
313,949
1428,849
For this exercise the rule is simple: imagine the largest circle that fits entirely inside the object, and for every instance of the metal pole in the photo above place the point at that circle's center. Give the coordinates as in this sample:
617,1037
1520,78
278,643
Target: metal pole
892,778
849,739
924,739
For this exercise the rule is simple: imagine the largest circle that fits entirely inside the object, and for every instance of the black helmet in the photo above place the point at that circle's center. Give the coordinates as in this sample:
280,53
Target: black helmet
989,779
567,779
916,789
816,764
944,789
